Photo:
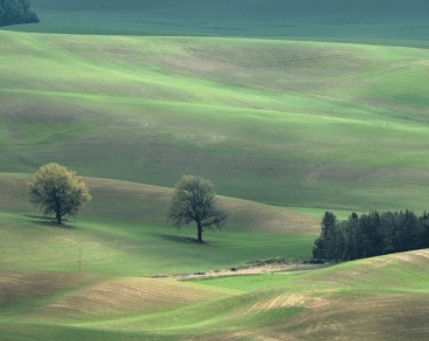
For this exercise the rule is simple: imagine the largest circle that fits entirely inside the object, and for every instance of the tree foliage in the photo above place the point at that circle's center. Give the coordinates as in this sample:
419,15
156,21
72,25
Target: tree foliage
55,189
194,201
370,235
16,12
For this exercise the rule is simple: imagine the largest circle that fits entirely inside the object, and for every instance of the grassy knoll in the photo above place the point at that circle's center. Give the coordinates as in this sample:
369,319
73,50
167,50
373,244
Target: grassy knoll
306,124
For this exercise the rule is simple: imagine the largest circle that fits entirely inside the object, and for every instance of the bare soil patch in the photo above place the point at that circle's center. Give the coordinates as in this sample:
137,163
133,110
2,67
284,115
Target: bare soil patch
287,267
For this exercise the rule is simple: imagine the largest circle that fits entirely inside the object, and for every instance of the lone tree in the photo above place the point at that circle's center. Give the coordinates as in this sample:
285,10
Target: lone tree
194,201
57,190
16,12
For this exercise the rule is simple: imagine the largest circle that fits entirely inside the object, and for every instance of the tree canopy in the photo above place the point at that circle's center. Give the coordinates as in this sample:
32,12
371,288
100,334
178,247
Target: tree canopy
194,201
57,190
16,12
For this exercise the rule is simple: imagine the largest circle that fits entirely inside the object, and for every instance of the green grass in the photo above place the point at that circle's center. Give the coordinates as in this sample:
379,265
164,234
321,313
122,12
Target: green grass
49,298
312,125
268,306
29,244
307,125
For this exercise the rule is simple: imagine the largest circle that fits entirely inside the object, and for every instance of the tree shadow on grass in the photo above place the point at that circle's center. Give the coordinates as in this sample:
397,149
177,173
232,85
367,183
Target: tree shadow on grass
48,221
184,240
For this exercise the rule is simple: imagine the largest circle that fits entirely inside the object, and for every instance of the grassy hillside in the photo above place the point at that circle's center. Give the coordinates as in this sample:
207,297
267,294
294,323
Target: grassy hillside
383,21
299,124
295,124
45,296
384,298
124,232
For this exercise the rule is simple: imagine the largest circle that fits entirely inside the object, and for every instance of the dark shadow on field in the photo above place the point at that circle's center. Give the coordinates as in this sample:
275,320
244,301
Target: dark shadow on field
47,221
184,240
38,217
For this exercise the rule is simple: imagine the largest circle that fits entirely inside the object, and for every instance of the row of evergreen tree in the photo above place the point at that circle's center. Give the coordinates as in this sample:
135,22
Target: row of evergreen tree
370,235
16,12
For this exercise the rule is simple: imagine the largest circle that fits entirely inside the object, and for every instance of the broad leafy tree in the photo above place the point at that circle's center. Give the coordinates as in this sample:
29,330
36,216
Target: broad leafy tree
57,190
194,202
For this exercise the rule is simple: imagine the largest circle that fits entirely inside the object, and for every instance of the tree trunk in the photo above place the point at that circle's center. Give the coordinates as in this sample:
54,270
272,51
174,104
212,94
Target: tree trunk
200,232
58,218
57,208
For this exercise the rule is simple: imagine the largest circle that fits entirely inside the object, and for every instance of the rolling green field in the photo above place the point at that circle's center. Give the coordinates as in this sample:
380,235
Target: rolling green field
297,124
277,103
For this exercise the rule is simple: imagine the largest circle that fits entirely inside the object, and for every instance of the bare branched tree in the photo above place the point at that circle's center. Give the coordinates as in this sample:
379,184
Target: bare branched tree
194,201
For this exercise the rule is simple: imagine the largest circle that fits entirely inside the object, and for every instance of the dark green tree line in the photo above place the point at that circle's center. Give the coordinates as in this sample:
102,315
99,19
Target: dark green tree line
370,235
16,12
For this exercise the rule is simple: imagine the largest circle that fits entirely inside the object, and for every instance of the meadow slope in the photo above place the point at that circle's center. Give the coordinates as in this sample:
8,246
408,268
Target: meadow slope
384,298
298,124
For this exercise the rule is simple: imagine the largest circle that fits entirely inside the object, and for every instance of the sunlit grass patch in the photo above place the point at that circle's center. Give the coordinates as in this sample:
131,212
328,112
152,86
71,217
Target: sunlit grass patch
251,282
